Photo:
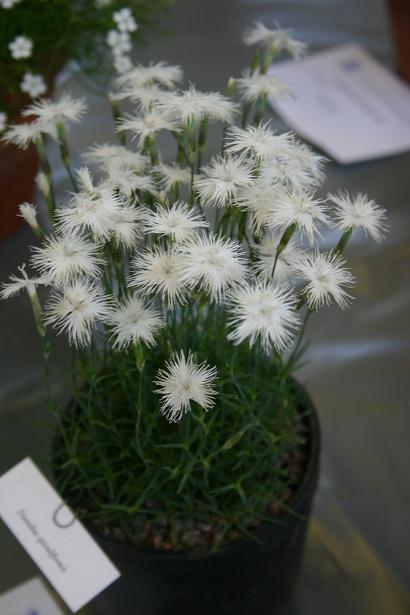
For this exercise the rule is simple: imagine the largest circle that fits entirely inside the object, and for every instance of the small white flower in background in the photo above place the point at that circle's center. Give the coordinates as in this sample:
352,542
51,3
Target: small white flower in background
214,264
254,86
21,47
122,63
326,276
147,125
127,182
125,20
260,141
60,259
259,199
76,311
42,183
299,208
167,75
22,135
172,175
66,109
177,221
93,209
3,121
126,227
183,381
29,213
120,42
286,262
160,270
193,106
359,212
264,312
19,283
33,85
133,321
8,4
221,179
108,155
259,34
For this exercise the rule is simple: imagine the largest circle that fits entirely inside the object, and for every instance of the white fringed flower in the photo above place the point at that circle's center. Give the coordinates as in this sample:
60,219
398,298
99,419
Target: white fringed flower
183,381
359,212
21,47
133,322
126,226
326,278
259,34
220,181
263,312
147,125
299,208
161,73
160,270
60,259
252,87
29,213
33,85
92,209
142,96
259,199
125,20
176,221
66,109
22,135
172,175
260,141
108,156
19,283
126,181
301,156
286,262
76,311
193,106
214,264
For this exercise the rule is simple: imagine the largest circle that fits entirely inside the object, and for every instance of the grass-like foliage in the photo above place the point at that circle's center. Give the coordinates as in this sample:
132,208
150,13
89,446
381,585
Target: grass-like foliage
185,290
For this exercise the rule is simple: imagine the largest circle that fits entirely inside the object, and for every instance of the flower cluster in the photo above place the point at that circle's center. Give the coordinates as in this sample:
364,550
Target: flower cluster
141,247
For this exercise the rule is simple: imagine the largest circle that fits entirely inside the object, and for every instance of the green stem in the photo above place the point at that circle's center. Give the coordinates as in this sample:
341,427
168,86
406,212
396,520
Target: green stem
286,237
343,241
64,152
260,109
115,109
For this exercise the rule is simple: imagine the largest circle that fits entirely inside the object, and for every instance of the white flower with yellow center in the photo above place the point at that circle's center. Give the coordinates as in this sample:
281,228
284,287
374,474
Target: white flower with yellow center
182,382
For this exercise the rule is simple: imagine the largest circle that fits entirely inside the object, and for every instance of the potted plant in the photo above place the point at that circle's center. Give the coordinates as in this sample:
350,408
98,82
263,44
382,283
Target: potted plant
82,31
185,289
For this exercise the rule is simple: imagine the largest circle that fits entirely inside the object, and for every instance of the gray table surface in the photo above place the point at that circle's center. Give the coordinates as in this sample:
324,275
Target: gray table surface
358,553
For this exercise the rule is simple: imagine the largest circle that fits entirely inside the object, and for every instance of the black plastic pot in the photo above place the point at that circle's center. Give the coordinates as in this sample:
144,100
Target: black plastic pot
243,578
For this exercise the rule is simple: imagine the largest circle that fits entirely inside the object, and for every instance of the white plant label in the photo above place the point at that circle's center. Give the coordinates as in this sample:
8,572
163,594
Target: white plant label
29,598
57,542
347,103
